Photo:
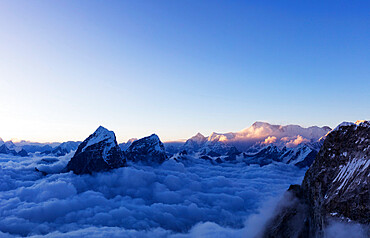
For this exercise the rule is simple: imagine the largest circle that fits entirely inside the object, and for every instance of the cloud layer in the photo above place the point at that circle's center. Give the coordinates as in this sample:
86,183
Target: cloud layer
173,199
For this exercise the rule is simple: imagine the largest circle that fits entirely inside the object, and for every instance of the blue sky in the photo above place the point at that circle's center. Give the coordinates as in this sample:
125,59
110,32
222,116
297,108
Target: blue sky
179,67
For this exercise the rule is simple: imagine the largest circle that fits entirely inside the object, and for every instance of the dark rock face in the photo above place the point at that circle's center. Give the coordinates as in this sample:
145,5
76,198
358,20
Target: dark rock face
213,154
335,187
99,152
232,153
218,160
147,150
290,216
22,153
337,183
301,156
205,157
184,152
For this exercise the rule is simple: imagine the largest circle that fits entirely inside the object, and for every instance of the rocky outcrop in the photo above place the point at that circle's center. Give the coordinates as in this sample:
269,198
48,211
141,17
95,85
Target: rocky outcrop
337,183
335,187
290,217
147,150
232,154
99,152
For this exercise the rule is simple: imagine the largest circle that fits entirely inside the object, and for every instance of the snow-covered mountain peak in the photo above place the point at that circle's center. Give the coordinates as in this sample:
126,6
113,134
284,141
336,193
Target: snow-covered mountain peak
198,138
147,150
220,137
258,135
101,134
98,152
102,131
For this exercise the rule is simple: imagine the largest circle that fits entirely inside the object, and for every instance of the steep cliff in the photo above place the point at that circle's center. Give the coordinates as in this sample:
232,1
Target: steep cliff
335,187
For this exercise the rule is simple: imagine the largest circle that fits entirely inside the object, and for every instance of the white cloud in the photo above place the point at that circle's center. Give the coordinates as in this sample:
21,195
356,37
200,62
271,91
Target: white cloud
269,140
296,141
136,200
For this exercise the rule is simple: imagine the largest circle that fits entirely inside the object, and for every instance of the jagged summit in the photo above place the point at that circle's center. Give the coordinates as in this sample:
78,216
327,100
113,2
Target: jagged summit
101,134
147,150
99,152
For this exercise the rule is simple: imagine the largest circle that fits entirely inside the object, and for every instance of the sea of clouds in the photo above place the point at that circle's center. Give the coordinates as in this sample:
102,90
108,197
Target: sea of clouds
189,199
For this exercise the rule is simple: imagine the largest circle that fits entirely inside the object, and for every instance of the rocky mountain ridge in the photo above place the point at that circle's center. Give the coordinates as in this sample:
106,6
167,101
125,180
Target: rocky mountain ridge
335,187
99,152
147,150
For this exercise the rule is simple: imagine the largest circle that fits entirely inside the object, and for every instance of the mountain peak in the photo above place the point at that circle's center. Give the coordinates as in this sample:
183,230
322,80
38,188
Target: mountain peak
199,135
198,138
101,134
98,152
147,150
101,129
154,137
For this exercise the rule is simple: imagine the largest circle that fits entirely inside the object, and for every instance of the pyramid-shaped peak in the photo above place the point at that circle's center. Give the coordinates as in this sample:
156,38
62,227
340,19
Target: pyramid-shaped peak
100,134
102,130
154,137
198,137
98,152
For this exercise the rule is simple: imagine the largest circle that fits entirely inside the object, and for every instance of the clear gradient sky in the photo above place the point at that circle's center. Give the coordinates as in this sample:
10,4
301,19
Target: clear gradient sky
179,67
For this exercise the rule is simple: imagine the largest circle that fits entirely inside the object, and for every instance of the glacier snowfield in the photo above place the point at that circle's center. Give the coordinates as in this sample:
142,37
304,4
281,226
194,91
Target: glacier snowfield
175,199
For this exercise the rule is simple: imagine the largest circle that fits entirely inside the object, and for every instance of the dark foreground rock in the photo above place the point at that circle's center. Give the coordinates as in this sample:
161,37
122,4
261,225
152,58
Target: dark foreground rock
99,152
335,187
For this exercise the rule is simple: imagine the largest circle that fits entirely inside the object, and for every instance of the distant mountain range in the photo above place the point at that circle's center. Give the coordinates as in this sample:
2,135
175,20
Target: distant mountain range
261,143
23,148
